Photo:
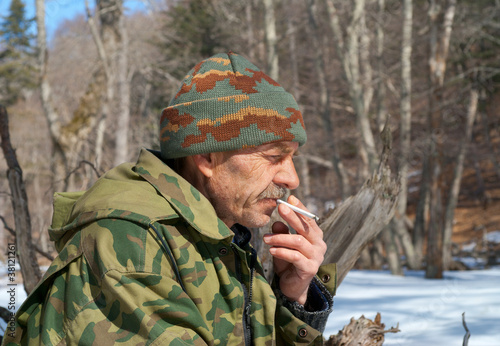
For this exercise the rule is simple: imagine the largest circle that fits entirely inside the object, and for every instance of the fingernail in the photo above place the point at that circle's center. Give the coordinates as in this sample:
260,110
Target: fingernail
293,200
267,238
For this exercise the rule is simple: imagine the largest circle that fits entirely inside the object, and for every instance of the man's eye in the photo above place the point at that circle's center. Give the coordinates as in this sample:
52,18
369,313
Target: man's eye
274,157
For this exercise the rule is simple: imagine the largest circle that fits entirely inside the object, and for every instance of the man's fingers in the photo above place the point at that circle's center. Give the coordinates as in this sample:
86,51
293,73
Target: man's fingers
291,241
303,265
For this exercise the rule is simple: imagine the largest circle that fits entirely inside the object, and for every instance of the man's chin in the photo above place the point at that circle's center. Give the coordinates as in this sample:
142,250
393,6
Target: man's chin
256,221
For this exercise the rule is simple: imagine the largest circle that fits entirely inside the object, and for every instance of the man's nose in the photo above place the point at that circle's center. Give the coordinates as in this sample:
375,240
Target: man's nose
287,176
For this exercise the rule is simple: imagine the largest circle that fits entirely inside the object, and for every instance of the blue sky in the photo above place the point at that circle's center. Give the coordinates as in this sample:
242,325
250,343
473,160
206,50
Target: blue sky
56,11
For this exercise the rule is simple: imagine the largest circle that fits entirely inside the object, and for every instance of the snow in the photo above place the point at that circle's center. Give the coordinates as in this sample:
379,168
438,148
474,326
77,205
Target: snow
493,237
429,312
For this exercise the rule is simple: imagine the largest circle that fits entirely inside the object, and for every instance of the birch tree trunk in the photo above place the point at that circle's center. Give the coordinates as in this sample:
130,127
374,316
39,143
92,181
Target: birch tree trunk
292,43
271,39
59,159
398,223
111,43
350,55
440,23
250,32
457,178
124,80
380,86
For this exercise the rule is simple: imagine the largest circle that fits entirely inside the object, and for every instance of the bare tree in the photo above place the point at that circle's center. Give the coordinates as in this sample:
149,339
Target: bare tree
324,92
124,80
53,121
67,138
24,246
398,223
111,41
250,29
441,14
271,39
380,83
353,55
292,44
457,178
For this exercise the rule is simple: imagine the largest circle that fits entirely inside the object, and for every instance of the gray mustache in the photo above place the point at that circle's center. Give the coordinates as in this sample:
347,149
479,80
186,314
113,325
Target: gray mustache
273,191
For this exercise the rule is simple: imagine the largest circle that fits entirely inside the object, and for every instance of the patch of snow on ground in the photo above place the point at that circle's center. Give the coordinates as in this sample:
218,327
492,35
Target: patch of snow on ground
493,237
429,312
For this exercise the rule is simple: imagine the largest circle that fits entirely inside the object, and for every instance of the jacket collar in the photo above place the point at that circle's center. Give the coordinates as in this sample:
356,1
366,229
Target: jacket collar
184,198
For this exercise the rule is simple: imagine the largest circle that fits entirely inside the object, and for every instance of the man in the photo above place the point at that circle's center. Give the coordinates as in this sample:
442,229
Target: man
158,252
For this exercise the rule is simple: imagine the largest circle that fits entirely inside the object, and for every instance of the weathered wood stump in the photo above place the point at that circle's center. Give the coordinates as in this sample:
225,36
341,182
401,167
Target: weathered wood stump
362,331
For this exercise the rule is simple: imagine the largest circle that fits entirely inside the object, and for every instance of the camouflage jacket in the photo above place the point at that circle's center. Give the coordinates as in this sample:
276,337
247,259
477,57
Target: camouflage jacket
143,259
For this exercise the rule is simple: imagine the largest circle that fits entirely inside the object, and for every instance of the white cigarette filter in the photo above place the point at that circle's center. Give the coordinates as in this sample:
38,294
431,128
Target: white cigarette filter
298,210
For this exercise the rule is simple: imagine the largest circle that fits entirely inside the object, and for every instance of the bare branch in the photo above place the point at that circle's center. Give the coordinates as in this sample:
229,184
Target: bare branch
467,332
98,42
37,248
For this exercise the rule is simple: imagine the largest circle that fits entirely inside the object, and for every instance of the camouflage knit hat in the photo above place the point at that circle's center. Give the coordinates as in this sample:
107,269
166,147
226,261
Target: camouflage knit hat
226,103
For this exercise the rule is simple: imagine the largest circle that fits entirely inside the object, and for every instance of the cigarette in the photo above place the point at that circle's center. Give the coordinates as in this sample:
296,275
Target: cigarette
298,210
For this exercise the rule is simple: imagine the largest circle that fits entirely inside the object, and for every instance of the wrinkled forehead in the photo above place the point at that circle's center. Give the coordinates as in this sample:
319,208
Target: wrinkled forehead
284,147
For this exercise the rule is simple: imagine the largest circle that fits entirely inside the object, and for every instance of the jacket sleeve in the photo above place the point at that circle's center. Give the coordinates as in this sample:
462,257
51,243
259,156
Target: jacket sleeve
298,324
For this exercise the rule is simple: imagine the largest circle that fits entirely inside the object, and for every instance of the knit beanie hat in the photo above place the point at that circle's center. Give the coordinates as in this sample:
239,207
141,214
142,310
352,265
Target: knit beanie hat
226,103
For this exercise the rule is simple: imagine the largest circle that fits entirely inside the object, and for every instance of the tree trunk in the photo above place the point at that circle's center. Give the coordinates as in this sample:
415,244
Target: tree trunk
59,158
250,34
24,246
340,171
111,43
492,152
304,190
124,80
457,178
440,23
421,214
271,39
380,87
391,249
398,223
350,56
292,41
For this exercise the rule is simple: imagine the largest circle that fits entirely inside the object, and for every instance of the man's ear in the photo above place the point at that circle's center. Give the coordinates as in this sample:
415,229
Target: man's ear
206,163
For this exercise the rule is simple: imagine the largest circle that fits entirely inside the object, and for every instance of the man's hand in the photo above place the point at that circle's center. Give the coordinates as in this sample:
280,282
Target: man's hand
297,257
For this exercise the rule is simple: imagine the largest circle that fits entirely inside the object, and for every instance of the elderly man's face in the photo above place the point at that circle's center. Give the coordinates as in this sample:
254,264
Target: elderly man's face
245,184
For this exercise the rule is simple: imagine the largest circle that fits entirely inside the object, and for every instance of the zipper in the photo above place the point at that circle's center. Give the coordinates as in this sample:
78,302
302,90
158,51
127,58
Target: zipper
247,293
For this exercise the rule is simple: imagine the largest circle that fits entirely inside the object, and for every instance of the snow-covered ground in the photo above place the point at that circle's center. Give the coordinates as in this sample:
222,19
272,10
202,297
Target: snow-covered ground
429,312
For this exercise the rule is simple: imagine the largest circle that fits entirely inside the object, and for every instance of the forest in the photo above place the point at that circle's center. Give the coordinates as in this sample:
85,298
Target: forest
418,78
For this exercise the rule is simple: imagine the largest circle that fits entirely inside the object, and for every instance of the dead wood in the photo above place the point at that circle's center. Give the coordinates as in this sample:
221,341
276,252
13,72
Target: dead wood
37,248
359,219
467,332
362,331
25,250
